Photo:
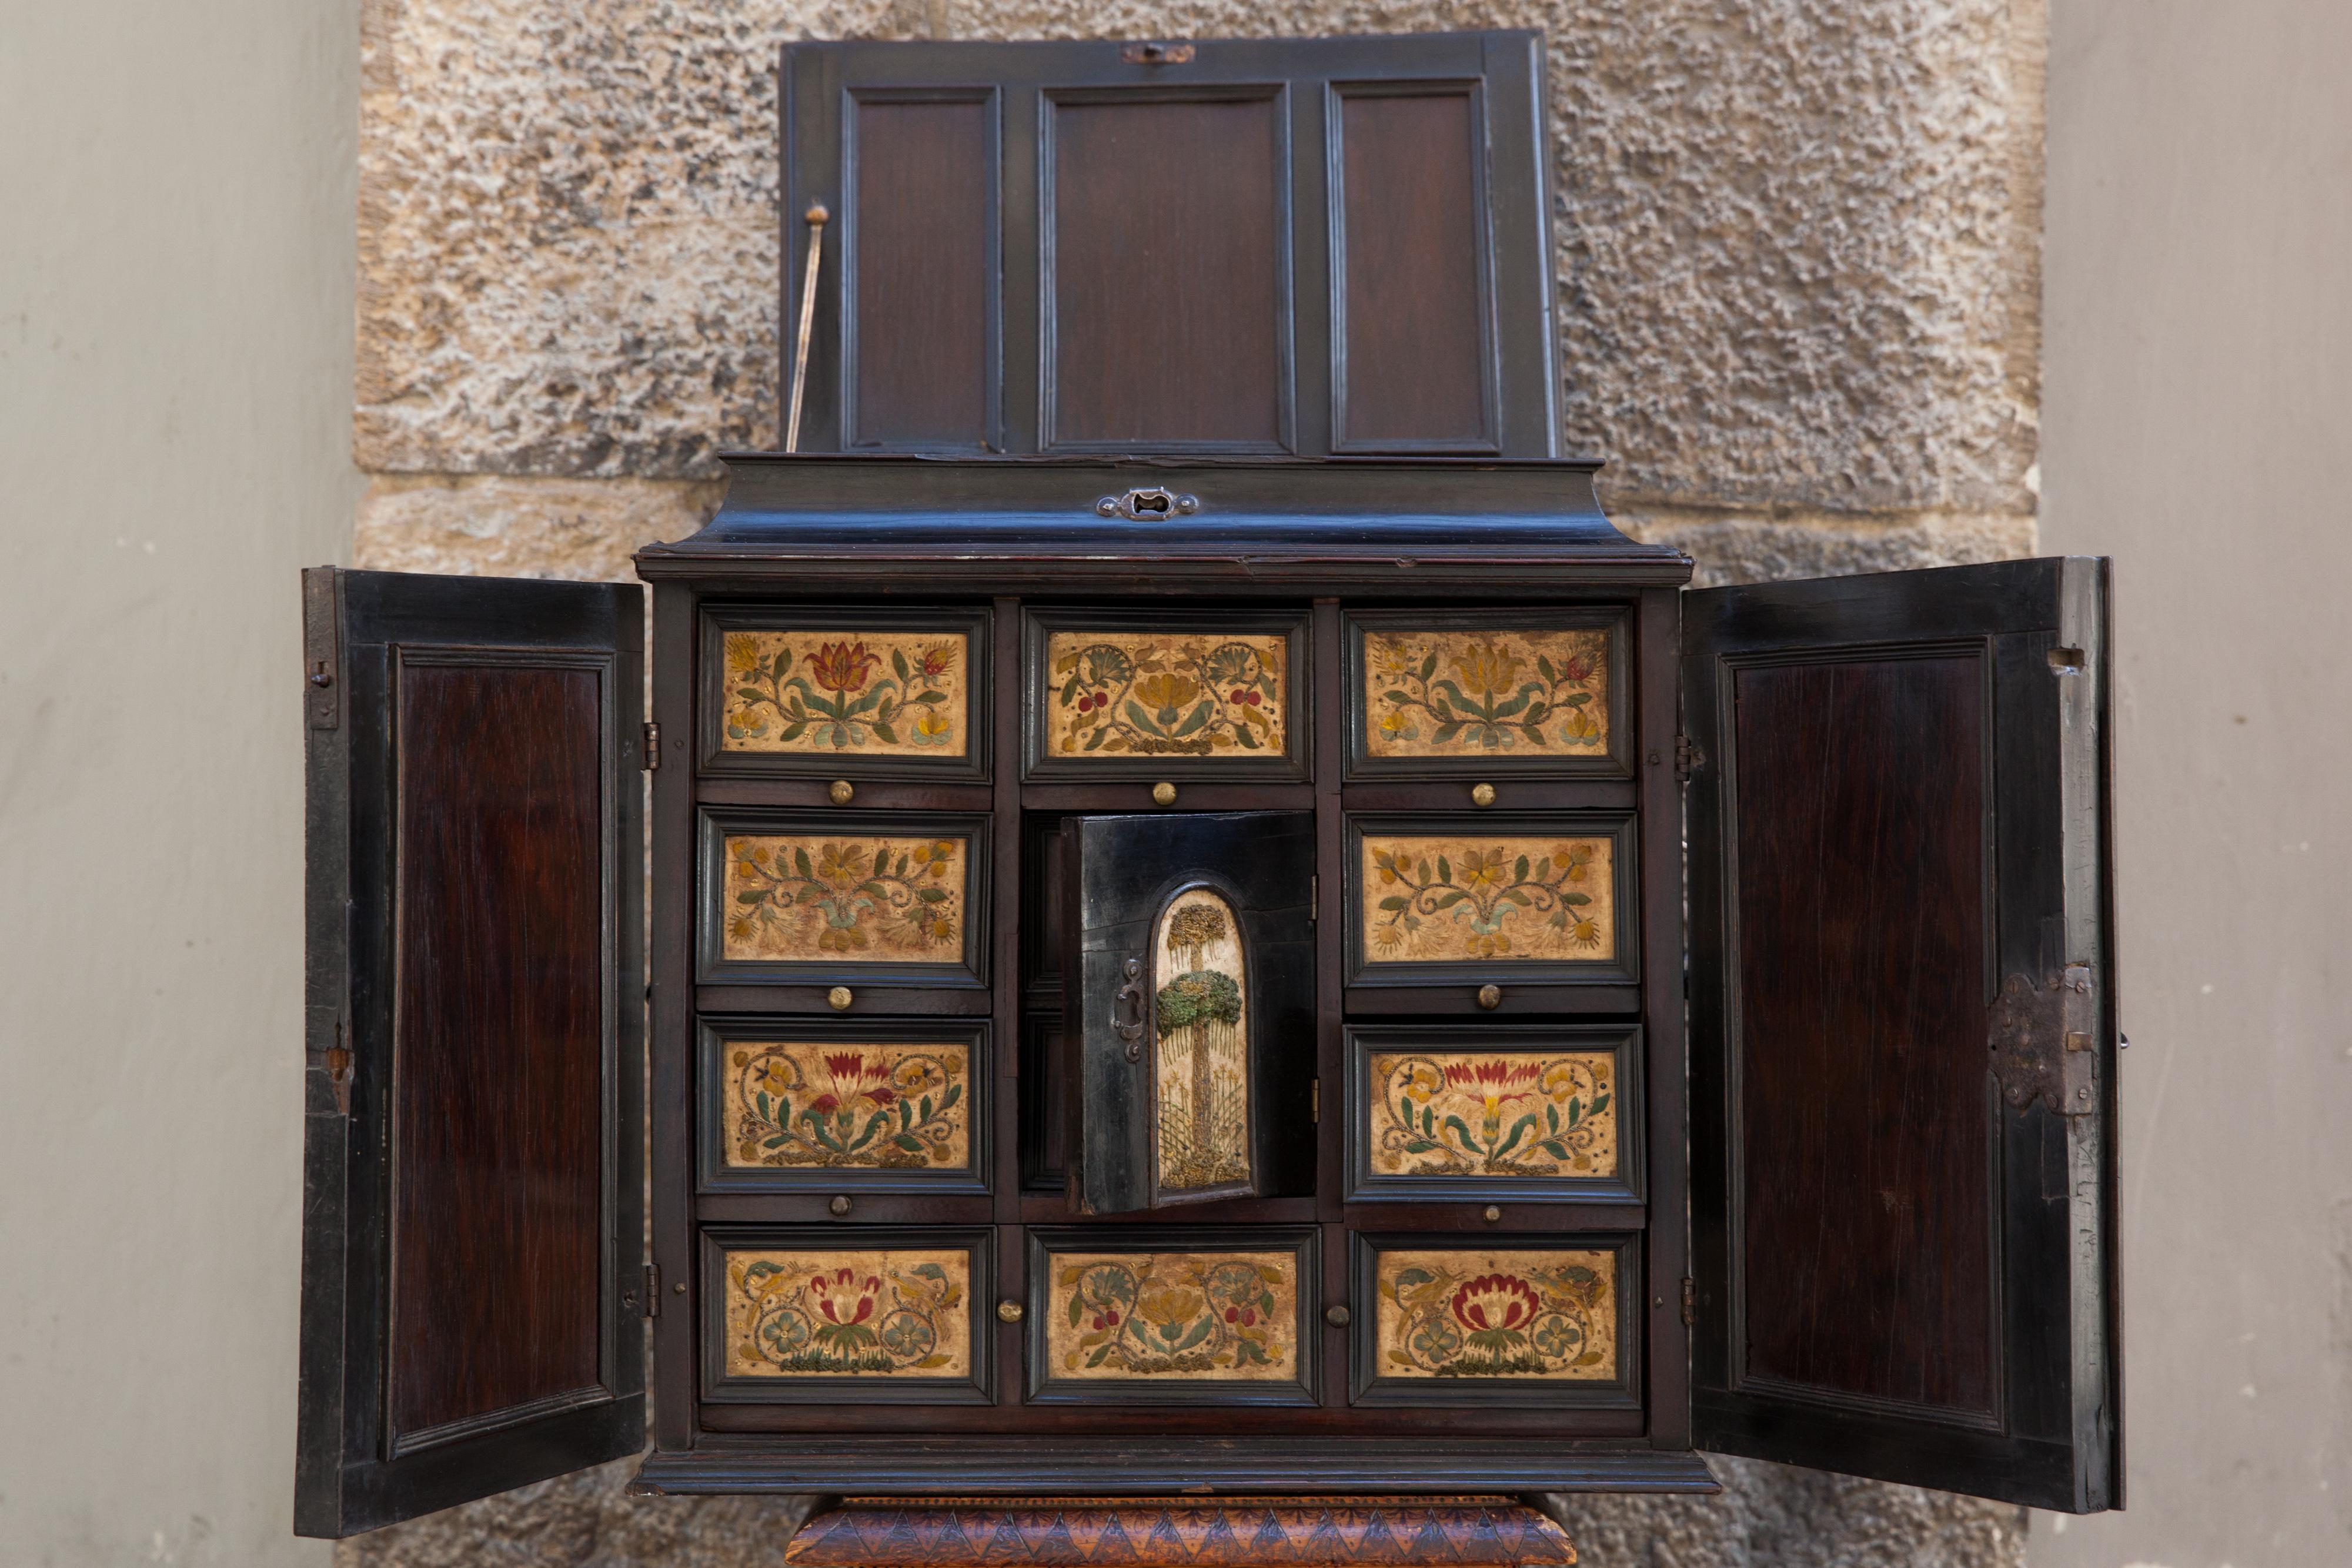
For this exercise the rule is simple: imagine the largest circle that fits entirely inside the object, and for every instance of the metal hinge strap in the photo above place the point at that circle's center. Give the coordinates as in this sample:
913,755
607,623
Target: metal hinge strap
652,746
1687,757
653,1289
1690,1301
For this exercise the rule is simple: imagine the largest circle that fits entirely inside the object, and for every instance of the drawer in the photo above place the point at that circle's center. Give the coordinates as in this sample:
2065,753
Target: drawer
795,691
1550,1321
1174,1315
1490,693
1524,902
891,899
1519,1114
847,1315
1166,695
836,1106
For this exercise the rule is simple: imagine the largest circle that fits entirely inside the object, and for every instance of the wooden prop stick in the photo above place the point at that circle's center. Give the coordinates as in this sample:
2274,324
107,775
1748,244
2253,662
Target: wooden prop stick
816,216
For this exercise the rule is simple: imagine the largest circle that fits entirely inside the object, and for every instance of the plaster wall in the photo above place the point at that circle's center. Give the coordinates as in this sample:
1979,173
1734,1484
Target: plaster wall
2198,373
177,270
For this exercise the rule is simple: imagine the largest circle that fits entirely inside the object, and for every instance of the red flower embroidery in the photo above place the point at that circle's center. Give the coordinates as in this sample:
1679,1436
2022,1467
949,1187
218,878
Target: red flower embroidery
843,1297
1493,1301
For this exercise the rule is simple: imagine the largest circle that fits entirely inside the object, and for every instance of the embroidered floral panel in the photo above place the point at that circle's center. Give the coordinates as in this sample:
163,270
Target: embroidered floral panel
1492,1114
824,1104
1511,899
844,900
1471,694
869,693
851,1313
1186,1315
1151,694
1498,1313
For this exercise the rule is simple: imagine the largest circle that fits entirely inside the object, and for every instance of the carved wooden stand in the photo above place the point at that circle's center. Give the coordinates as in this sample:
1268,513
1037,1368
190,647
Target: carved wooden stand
1176,1533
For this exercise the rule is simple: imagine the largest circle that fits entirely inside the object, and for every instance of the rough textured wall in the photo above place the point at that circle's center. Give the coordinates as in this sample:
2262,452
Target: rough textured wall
1798,269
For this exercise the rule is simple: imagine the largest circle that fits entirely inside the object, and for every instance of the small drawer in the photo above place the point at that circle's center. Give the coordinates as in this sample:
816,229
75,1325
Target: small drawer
1496,694
798,691
847,898
1166,695
1516,1115
1174,1315
1506,900
849,1315
1550,1321
819,1106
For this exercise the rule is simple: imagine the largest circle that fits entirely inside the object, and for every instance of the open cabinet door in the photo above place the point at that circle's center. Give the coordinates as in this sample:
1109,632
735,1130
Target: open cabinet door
472,1242
1193,1008
1903,1029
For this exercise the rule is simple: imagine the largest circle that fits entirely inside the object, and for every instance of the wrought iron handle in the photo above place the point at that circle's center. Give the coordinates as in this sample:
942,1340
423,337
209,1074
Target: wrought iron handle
1127,1008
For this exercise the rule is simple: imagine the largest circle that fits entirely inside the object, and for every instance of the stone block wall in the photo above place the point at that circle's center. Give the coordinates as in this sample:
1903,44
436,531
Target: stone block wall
1798,292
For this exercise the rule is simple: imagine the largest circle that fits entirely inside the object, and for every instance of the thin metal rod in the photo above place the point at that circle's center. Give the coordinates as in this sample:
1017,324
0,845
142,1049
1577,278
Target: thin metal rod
816,216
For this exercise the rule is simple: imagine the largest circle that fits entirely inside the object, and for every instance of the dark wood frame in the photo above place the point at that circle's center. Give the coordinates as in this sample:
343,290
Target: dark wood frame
1368,1387
715,1388
795,250
1616,762
1040,622
1490,376
713,1174
969,620
1304,1242
713,825
1531,1197
1622,828
1274,92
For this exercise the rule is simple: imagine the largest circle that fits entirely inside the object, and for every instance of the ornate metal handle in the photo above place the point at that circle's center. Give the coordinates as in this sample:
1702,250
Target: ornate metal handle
1127,1008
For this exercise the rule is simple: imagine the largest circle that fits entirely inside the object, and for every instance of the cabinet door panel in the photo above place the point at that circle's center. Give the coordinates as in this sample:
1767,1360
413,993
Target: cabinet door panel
472,1210
1903,1029
1192,1012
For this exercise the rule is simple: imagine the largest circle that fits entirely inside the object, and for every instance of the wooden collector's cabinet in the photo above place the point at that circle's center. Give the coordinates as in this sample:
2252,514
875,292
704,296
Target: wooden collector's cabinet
1258,968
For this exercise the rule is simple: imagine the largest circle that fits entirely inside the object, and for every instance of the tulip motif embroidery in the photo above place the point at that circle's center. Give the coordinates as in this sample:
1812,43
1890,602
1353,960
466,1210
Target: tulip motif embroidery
875,1107
845,691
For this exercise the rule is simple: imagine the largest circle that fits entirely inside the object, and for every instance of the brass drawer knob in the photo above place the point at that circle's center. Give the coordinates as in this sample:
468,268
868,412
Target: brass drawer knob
841,792
1163,793
1008,1312
1481,795
840,1205
1336,1315
1489,998
838,998
1493,1214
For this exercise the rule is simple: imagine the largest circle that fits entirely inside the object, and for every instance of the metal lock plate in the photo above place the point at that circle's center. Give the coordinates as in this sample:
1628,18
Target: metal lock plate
2044,1042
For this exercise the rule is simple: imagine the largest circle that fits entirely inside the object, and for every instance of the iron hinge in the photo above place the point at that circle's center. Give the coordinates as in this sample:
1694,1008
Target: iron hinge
1314,897
1690,1301
2042,1044
321,699
1687,757
1315,1102
653,1289
652,746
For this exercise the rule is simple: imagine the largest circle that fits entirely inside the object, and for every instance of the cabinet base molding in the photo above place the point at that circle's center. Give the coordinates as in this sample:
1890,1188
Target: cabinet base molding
1034,1466
1177,1532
